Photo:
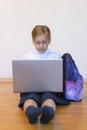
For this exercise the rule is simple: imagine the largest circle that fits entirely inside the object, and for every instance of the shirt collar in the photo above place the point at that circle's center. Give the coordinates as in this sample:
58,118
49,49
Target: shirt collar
43,54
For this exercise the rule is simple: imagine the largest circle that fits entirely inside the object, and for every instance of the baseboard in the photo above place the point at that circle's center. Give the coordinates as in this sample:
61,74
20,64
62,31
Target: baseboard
85,80
6,80
10,80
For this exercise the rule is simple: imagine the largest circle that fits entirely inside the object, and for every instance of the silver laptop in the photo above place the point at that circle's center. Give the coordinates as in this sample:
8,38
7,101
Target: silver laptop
37,76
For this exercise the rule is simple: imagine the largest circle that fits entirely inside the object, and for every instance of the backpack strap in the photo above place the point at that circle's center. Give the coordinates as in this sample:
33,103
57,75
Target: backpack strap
64,72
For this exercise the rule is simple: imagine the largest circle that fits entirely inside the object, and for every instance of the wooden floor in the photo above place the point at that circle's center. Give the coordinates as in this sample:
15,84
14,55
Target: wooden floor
71,117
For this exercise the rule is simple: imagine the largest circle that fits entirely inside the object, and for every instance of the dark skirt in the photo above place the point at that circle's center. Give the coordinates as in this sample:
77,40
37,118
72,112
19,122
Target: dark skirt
41,97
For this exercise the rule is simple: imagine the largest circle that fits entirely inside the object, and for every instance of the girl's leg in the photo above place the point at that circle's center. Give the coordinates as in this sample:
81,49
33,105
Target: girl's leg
48,111
29,102
32,111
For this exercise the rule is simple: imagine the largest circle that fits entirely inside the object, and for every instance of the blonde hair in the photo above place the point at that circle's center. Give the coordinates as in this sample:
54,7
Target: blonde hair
41,29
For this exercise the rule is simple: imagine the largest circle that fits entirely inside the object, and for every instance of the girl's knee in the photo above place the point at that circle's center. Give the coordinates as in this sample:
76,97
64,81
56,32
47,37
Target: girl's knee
29,102
50,103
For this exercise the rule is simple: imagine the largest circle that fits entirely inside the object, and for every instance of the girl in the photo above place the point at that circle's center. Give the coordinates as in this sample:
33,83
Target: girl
40,104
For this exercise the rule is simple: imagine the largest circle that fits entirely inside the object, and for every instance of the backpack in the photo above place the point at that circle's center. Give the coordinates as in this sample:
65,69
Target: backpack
72,79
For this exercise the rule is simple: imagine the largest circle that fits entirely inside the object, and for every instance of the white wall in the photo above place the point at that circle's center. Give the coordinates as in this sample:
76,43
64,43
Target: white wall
67,20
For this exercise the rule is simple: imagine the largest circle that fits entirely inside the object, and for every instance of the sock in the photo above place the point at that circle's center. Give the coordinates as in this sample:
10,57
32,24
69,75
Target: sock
47,114
33,113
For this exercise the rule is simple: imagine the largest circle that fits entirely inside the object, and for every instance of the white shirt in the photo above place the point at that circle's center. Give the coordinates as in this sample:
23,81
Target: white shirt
47,55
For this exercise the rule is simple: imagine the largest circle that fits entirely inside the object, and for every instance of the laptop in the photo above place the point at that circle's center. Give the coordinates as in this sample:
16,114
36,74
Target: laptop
37,76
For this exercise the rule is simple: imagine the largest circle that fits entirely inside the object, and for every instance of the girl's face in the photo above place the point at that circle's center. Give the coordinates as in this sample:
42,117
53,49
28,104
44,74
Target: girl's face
41,43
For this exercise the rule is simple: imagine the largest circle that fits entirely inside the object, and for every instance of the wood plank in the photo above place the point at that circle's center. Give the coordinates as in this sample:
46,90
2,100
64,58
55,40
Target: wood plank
71,117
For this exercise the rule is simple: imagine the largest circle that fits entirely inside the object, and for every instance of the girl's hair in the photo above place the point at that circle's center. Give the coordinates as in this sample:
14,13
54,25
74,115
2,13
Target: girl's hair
41,29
